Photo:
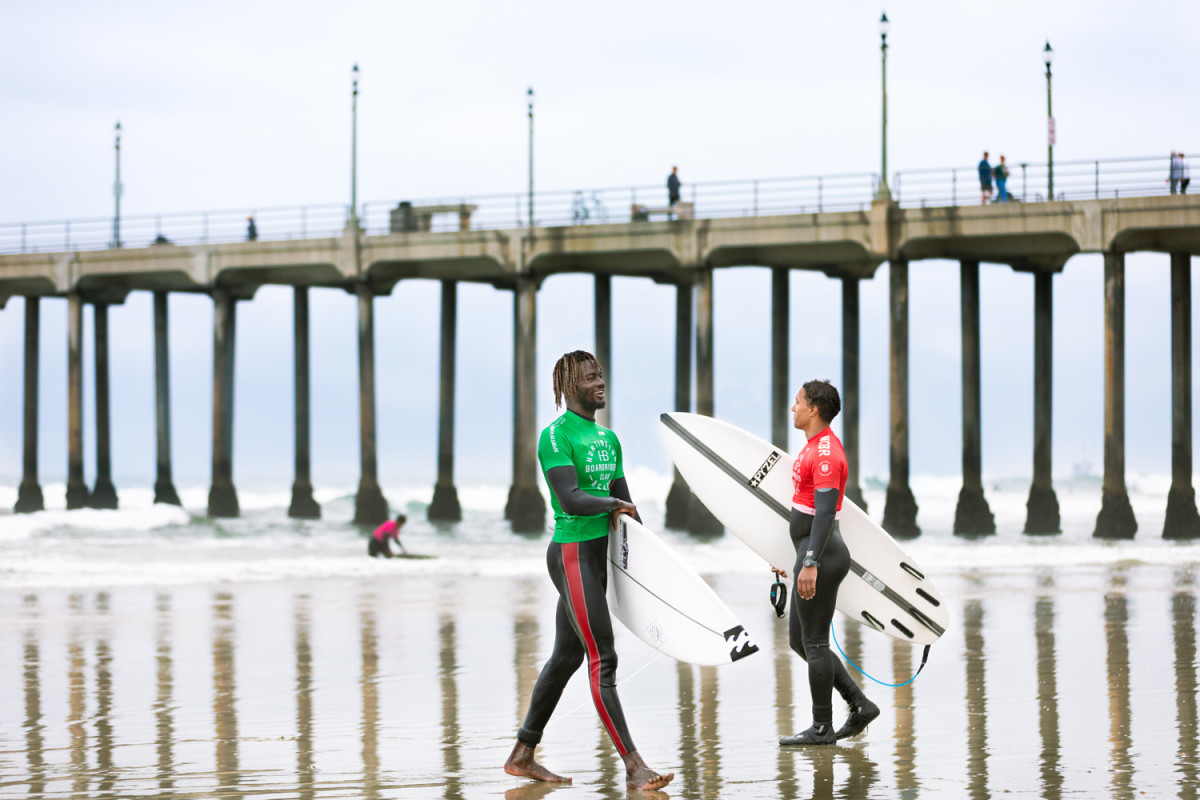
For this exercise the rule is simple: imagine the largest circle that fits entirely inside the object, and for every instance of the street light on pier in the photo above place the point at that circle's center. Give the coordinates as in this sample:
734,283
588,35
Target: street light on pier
884,24
354,148
117,188
529,97
1047,57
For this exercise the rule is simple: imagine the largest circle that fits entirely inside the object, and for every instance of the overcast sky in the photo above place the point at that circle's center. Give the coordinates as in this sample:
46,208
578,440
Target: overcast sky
246,105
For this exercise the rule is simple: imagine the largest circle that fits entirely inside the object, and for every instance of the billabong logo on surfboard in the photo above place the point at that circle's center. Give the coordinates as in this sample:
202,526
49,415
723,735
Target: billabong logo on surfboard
742,646
758,476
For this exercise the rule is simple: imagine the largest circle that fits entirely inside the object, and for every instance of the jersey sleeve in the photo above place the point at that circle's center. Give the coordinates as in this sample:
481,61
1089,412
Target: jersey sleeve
620,473
827,470
554,449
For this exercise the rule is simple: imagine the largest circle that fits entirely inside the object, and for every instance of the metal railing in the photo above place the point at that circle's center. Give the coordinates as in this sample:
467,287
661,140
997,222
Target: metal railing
766,196
1028,182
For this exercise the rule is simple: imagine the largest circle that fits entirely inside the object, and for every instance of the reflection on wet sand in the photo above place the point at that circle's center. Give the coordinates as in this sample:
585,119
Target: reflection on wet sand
451,737
34,742
164,726
301,623
369,640
77,699
104,702
1047,693
906,741
976,663
1116,622
785,723
689,746
525,651
1183,615
225,693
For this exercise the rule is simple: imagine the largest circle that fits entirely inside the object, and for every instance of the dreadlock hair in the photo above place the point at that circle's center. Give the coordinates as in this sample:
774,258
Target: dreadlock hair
568,371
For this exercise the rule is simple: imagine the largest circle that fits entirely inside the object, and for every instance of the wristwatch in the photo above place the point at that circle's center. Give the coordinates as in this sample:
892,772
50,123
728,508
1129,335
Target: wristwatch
809,562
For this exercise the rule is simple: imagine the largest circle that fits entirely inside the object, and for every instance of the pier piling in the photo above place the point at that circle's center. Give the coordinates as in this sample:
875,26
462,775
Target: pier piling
1042,506
164,487
77,492
445,506
104,494
900,508
1182,521
972,515
303,506
1115,520
29,495
222,496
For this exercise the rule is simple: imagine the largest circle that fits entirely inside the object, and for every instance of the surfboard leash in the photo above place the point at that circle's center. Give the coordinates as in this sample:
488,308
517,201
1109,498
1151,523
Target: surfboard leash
924,658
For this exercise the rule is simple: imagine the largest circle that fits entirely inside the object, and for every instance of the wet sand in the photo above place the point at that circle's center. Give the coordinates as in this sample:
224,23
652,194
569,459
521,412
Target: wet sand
1050,683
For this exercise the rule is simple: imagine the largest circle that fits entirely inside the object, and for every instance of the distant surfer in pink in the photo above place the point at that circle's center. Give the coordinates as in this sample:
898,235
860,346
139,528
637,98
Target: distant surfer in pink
378,546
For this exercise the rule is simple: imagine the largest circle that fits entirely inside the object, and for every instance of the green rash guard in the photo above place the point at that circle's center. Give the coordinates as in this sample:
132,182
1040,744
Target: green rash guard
595,453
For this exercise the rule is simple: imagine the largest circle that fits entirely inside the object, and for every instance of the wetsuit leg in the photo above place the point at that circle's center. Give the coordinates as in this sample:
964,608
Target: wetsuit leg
811,620
568,654
376,548
580,573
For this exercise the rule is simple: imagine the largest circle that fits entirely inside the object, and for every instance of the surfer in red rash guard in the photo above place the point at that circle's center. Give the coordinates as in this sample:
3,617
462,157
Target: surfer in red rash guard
582,462
822,562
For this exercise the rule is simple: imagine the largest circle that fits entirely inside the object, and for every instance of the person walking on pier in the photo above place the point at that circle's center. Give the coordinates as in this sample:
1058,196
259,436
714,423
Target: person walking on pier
378,544
1001,173
1174,171
985,180
583,468
822,563
673,185
1185,175
251,230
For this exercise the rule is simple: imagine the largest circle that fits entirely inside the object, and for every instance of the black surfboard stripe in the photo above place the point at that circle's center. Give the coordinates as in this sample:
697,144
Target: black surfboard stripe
744,481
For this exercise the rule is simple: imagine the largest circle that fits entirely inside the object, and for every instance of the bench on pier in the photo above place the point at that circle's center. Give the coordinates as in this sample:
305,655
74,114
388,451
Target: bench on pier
407,218
640,213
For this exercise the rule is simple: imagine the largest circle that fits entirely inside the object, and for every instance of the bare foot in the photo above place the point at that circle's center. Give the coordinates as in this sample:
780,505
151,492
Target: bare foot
640,776
521,763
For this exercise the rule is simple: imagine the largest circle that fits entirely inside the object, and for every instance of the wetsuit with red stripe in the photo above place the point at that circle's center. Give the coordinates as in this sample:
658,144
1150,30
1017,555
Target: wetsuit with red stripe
577,560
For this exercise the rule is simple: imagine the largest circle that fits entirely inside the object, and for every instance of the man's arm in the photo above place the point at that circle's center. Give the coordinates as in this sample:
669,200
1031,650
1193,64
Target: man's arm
825,506
619,488
564,482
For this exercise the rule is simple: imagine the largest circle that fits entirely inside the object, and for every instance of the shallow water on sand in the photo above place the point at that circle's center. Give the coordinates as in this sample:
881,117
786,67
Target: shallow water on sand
1052,682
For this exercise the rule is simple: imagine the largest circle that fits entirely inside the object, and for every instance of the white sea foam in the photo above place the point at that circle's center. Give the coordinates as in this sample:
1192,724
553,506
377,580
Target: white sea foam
147,544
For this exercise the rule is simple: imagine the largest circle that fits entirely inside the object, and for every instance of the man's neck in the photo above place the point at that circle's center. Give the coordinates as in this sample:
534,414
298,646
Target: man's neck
580,411
814,427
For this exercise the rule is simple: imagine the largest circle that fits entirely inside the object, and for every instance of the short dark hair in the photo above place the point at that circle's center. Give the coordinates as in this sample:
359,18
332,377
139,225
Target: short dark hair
401,519
824,396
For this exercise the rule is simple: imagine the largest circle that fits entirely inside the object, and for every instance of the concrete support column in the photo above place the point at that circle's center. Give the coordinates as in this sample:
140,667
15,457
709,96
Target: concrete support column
850,389
445,506
222,496
370,507
1182,521
700,520
780,389
604,343
900,509
29,495
1115,520
526,506
77,493
104,494
972,515
679,499
303,505
1042,506
164,486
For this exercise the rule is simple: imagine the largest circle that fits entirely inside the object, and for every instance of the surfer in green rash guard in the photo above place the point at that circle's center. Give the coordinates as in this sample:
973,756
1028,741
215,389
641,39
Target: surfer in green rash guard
822,563
583,467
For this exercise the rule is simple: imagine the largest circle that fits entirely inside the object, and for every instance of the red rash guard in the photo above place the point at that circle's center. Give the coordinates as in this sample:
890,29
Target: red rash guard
820,465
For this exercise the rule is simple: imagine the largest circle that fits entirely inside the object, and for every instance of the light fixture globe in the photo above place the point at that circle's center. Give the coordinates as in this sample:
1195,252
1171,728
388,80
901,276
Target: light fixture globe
884,25
1048,54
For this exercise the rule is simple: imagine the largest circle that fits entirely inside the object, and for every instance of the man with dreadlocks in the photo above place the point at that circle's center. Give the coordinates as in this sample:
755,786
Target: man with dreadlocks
582,463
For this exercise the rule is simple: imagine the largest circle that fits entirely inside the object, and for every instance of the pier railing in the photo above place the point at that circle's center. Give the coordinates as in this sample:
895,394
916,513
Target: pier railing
1029,182
943,186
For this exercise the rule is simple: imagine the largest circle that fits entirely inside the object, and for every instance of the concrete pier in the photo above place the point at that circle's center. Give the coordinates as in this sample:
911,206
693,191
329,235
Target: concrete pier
370,507
1115,520
679,499
29,495
222,496
77,492
303,506
526,506
104,494
781,390
851,399
164,486
900,508
1182,521
1042,506
604,343
445,506
972,516
700,520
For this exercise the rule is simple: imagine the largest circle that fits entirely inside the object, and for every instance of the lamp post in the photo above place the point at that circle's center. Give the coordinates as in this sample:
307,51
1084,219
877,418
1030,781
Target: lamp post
354,148
1047,57
529,98
883,32
116,240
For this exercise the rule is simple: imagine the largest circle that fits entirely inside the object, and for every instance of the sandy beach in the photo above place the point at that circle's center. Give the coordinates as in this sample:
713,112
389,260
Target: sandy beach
1051,683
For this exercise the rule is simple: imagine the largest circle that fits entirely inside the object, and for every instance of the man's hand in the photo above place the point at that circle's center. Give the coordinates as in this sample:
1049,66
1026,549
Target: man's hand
779,573
623,508
806,583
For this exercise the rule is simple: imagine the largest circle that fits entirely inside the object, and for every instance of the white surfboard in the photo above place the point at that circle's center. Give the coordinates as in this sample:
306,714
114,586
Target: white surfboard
746,483
666,604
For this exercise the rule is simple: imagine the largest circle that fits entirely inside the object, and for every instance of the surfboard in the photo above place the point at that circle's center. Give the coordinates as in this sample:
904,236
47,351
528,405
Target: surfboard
413,556
666,604
746,483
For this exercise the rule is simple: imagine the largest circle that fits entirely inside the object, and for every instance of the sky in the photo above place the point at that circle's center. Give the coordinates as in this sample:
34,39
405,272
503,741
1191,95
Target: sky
247,105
